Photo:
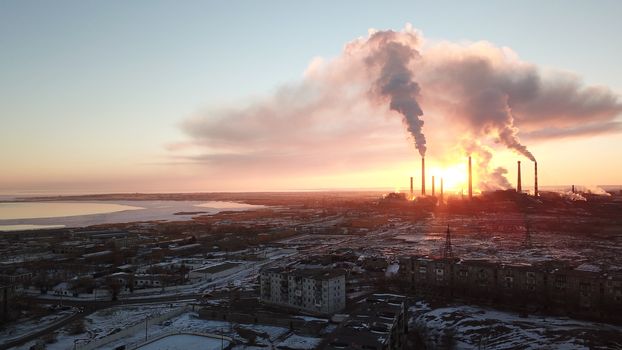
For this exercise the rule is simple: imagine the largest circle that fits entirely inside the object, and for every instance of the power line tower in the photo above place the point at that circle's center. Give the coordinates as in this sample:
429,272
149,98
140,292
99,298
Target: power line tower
447,251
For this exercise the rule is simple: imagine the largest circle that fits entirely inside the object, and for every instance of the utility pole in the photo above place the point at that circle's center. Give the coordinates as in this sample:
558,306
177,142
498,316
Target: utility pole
448,252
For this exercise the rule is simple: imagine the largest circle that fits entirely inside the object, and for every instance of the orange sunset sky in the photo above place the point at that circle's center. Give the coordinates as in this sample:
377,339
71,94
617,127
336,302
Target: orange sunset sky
239,96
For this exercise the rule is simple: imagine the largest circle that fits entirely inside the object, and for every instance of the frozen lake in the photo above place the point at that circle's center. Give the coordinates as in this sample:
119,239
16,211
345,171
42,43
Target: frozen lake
34,210
34,215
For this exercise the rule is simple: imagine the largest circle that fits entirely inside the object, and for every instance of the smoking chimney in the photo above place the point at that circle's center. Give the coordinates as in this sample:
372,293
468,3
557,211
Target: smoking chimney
422,176
411,187
433,185
535,191
470,180
441,190
573,189
519,187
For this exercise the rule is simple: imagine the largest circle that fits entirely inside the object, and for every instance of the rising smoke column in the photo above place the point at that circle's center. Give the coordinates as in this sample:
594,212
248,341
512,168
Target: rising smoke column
334,114
395,81
490,107
488,179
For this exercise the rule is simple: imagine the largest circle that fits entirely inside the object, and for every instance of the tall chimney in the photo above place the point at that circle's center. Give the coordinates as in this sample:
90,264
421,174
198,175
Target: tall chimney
470,180
422,176
573,189
519,187
411,187
433,185
441,190
535,191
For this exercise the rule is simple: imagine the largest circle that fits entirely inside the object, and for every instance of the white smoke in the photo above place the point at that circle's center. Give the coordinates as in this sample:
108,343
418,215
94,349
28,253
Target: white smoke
573,196
470,91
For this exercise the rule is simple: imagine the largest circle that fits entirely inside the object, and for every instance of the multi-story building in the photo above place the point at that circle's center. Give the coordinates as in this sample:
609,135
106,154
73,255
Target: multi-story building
521,283
475,278
584,290
317,291
432,275
612,294
6,294
15,277
378,324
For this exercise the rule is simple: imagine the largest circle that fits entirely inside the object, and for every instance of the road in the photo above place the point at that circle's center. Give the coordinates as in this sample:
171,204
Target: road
89,307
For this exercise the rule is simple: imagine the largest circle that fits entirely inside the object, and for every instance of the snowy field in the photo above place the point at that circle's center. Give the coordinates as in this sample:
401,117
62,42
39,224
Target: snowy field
246,336
266,336
31,325
184,342
104,322
470,327
428,238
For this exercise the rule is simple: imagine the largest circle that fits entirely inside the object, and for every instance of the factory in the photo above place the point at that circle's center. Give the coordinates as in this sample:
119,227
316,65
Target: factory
440,196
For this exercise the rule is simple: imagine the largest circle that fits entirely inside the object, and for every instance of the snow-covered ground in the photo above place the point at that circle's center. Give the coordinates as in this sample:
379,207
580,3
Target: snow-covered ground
184,342
299,342
470,327
112,320
245,278
105,322
189,322
24,327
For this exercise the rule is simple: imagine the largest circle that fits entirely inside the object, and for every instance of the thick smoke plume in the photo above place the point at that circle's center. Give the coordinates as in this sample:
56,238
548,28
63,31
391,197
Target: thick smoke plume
334,117
395,81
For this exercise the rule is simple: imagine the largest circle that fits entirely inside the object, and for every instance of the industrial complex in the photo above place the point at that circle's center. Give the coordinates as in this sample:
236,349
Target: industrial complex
327,270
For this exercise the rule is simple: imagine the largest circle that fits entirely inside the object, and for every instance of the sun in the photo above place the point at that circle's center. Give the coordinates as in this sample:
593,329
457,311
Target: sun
454,177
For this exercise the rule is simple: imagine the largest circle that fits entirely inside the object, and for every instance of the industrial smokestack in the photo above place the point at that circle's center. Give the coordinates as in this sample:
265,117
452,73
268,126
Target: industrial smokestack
535,191
573,189
411,187
422,176
519,187
470,180
433,184
441,190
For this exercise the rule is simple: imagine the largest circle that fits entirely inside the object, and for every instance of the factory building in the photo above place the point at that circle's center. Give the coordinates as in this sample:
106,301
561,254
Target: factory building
316,291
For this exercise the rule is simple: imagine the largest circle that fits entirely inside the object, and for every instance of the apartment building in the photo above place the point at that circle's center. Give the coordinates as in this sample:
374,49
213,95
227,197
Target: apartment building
318,291
378,324
579,290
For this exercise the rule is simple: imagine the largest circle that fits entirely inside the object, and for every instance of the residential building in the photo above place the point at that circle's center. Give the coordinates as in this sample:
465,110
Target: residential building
379,324
319,291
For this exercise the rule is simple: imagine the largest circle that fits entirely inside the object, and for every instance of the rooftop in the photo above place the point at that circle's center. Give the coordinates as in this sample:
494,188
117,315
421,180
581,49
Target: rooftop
370,327
218,268
315,273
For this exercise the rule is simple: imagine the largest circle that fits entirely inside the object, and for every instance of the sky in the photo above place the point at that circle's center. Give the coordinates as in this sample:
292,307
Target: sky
111,96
